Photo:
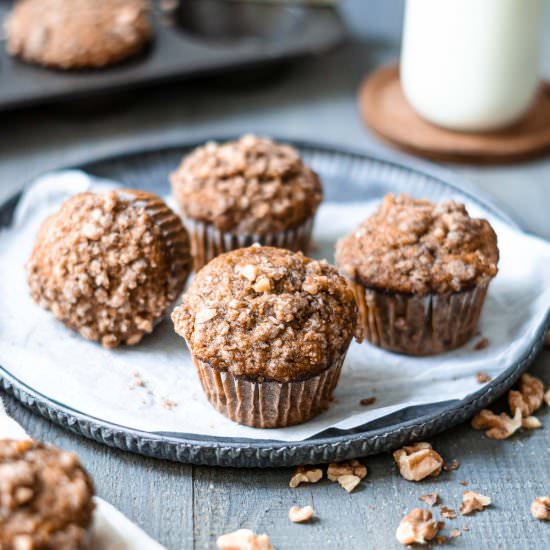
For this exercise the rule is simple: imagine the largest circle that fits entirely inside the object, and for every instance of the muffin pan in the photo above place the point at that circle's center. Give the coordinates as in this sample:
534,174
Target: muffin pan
347,176
203,37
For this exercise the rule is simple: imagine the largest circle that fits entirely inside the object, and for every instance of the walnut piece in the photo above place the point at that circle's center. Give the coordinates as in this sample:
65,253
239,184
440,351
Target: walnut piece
481,344
454,533
531,423
547,397
431,499
244,539
305,474
417,527
418,461
540,508
482,377
451,466
498,426
300,515
353,467
529,397
349,482
449,513
472,502
367,401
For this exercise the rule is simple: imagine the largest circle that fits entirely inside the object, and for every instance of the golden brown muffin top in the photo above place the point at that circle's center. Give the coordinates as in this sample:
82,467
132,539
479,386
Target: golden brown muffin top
415,246
109,265
45,497
267,314
249,186
77,33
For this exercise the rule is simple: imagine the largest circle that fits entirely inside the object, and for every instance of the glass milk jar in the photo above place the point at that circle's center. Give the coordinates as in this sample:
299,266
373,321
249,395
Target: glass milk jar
472,65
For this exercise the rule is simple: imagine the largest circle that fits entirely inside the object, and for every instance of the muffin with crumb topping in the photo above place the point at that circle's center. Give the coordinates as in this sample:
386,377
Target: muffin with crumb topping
268,330
420,272
46,497
110,265
248,191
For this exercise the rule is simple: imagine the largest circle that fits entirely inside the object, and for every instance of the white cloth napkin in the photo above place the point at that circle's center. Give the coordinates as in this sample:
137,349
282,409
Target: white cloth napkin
111,530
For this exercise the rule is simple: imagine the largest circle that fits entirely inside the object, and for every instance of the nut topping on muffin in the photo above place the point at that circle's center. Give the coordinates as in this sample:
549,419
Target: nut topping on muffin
249,186
110,265
45,497
415,246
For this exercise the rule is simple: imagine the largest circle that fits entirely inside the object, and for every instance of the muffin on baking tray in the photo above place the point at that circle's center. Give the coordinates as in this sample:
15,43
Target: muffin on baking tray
420,273
268,330
45,498
242,192
110,265
73,34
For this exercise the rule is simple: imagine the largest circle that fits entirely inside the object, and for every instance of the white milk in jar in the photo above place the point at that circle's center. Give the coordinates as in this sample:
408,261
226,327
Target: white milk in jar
472,65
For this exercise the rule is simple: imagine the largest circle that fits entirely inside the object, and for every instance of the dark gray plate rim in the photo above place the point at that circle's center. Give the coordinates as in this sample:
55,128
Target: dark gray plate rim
332,444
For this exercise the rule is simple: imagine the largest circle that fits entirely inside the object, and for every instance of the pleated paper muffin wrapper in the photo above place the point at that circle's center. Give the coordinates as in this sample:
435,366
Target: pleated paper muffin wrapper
268,404
175,238
207,242
419,325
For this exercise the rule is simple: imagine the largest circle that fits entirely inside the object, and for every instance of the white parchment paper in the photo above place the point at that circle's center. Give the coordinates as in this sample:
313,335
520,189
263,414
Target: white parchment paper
58,363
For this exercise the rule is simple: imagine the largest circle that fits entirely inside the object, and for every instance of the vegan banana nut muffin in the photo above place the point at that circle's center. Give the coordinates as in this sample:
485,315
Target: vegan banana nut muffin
420,273
72,34
110,265
253,190
45,498
268,330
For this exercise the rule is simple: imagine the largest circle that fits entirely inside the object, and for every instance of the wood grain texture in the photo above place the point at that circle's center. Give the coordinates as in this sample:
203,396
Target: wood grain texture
185,507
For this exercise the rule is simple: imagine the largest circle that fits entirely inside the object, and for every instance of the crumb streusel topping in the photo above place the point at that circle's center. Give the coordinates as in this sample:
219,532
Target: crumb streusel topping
110,265
267,313
80,33
249,186
45,497
415,246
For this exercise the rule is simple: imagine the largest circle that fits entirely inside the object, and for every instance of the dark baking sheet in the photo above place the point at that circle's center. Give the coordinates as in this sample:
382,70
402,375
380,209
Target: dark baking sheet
200,48
346,175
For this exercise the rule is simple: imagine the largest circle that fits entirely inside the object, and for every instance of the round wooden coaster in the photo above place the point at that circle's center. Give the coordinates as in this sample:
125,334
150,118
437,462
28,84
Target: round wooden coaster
385,109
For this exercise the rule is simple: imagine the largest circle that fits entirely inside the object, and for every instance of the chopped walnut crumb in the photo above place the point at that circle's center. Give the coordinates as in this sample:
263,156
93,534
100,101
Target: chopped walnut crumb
472,502
417,527
367,401
349,482
431,499
449,513
353,467
531,423
463,482
305,474
481,344
168,404
498,426
451,466
244,539
540,508
483,377
300,515
440,539
454,533
529,397
418,461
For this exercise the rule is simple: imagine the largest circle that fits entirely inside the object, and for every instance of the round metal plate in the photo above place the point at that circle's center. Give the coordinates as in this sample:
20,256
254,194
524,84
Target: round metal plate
347,176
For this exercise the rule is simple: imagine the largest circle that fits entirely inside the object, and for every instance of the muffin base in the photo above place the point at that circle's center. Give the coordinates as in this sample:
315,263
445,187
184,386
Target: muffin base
268,404
207,242
424,325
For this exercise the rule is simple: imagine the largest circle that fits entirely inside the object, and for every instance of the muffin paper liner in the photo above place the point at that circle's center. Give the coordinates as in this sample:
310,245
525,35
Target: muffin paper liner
419,325
207,242
268,404
175,238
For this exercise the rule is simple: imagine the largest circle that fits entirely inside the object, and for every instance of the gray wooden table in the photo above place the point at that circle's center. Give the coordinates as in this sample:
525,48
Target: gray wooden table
185,506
